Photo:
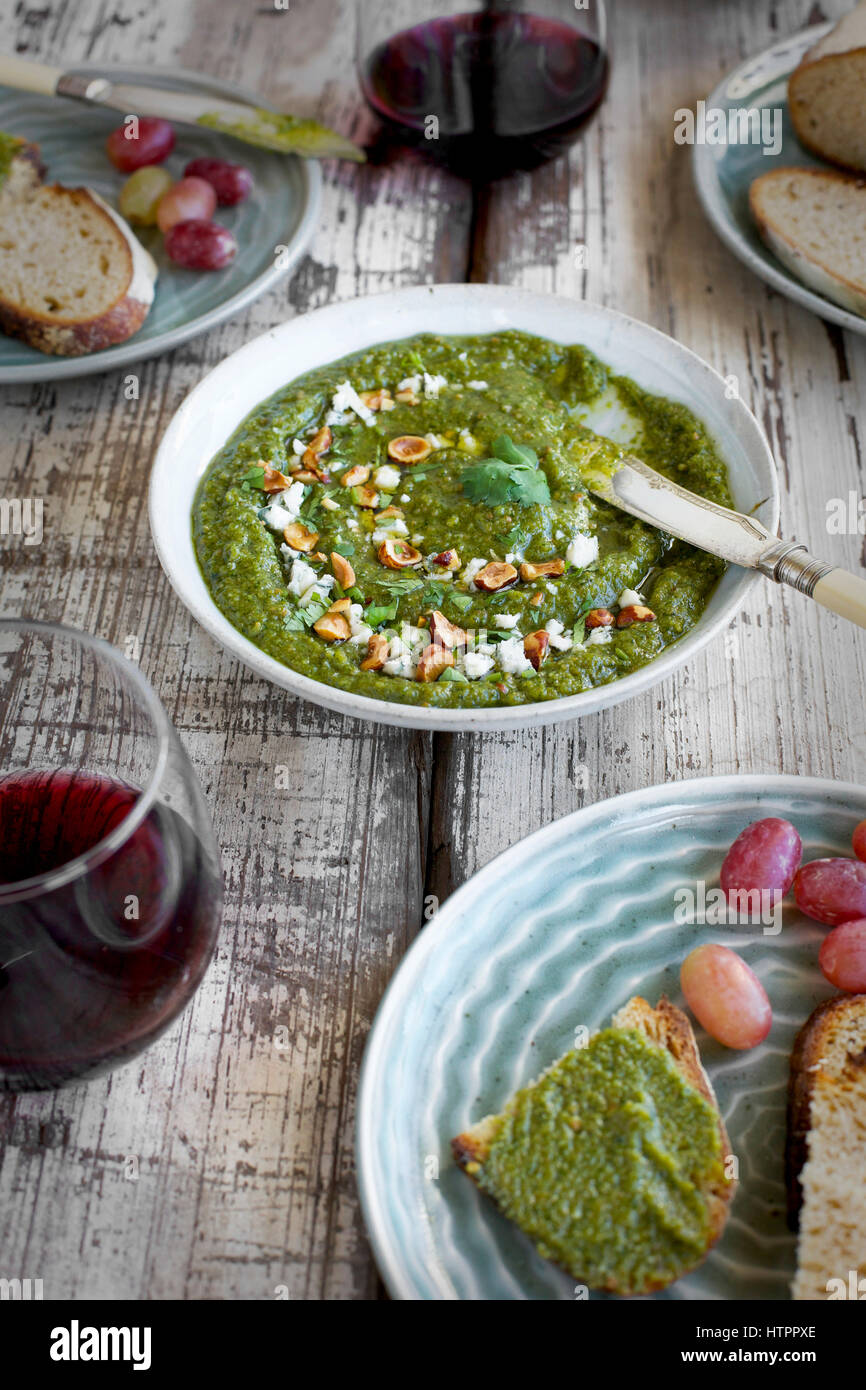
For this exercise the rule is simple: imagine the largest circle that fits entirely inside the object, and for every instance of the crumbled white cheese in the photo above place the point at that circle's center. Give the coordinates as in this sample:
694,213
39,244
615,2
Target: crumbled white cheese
582,550
284,507
410,383
433,385
511,657
338,417
477,385
304,583
505,620
387,477
346,398
299,446
361,632
476,664
559,638
404,497
599,637
474,567
462,356
301,578
400,662
467,442
391,526
436,441
628,597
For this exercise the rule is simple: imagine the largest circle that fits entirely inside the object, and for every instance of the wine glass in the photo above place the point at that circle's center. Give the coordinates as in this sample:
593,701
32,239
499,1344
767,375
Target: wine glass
110,889
485,88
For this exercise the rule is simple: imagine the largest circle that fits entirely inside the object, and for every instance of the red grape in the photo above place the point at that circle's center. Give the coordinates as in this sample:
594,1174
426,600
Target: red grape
764,856
139,141
189,200
843,956
858,840
832,890
231,182
200,245
726,996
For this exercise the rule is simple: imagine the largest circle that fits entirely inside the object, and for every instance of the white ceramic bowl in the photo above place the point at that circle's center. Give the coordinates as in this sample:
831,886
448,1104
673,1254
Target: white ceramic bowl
215,408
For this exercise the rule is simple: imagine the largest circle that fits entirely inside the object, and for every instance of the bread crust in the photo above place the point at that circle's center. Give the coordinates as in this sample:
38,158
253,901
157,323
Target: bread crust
816,274
797,104
668,1027
120,321
810,1047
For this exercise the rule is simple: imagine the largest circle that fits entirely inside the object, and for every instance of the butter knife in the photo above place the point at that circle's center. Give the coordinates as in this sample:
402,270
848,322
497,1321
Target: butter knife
741,540
255,125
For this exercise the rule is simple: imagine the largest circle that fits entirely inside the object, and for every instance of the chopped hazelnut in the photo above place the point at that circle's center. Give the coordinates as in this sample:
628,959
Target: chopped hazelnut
377,653
397,555
274,480
446,633
432,662
497,575
634,613
319,444
447,560
299,538
333,627
599,617
535,647
356,476
342,569
545,569
408,448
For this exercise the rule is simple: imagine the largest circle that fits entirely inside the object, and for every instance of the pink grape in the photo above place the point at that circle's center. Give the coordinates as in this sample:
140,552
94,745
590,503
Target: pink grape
832,890
858,840
198,245
765,856
726,996
231,182
843,956
189,200
132,145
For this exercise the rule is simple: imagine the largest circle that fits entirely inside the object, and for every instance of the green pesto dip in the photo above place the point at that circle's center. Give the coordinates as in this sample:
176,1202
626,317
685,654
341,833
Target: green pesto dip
604,1163
465,395
10,145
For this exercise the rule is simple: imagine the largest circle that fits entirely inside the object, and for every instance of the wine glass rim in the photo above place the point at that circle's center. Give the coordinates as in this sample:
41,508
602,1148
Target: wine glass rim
110,843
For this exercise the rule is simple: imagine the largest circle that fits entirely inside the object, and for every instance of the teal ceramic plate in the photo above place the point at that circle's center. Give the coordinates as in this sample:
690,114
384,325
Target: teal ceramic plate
560,931
281,212
723,173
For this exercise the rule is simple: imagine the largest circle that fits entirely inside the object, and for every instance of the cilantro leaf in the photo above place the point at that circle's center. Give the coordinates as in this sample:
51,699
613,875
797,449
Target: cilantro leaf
380,613
519,454
511,475
253,478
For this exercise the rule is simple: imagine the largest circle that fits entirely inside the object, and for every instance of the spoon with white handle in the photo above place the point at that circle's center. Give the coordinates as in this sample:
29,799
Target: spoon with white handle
640,490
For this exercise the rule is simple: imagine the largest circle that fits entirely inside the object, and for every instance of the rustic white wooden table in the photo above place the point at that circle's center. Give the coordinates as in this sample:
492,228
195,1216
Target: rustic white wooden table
244,1147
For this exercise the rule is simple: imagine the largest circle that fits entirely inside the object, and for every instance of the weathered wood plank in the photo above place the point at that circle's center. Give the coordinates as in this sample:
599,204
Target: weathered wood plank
244,1143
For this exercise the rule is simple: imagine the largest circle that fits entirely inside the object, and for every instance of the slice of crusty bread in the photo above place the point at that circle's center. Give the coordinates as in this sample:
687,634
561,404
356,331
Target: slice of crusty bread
73,277
827,94
25,171
825,1157
814,222
667,1027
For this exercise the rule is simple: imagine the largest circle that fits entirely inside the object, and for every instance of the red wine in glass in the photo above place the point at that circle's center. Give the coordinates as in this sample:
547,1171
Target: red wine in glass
507,91
94,969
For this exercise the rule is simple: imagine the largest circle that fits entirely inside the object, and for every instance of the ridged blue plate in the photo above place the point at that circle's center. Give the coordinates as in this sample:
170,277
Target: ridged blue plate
724,173
556,932
281,211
